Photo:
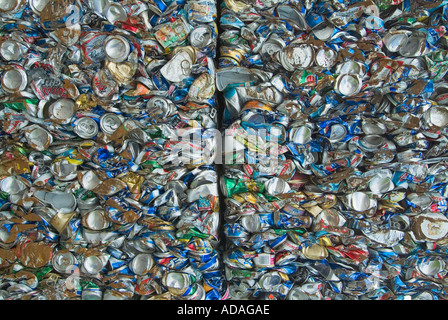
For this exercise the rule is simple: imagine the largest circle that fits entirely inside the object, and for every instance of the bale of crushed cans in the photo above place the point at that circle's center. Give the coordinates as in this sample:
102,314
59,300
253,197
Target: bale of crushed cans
335,157
105,194
334,117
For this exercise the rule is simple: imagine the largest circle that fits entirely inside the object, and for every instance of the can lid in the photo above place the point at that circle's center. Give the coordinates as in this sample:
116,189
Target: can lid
200,36
301,135
381,184
64,170
276,186
431,266
117,48
177,283
433,226
91,294
159,108
272,45
351,67
292,15
109,123
324,31
315,252
270,280
251,223
394,40
414,45
437,116
62,201
63,261
86,127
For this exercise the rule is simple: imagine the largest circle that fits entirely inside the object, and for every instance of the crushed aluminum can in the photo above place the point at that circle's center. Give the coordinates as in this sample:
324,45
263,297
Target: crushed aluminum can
117,48
430,226
141,264
14,79
38,138
179,66
10,50
296,56
201,36
293,16
348,84
95,220
64,261
325,57
85,127
109,123
62,110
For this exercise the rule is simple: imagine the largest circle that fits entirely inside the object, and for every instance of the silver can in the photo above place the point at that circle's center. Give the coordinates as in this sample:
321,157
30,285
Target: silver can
325,57
293,16
296,56
38,138
337,133
178,283
348,84
141,264
37,5
160,108
109,123
12,185
103,85
115,12
63,202
179,66
14,79
271,280
62,110
86,127
10,50
93,264
91,294
10,6
360,201
117,48
95,220
272,45
201,36
64,170
276,186
431,266
63,261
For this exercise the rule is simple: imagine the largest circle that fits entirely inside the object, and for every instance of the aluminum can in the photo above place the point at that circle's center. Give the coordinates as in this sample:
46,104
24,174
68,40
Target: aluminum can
86,127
